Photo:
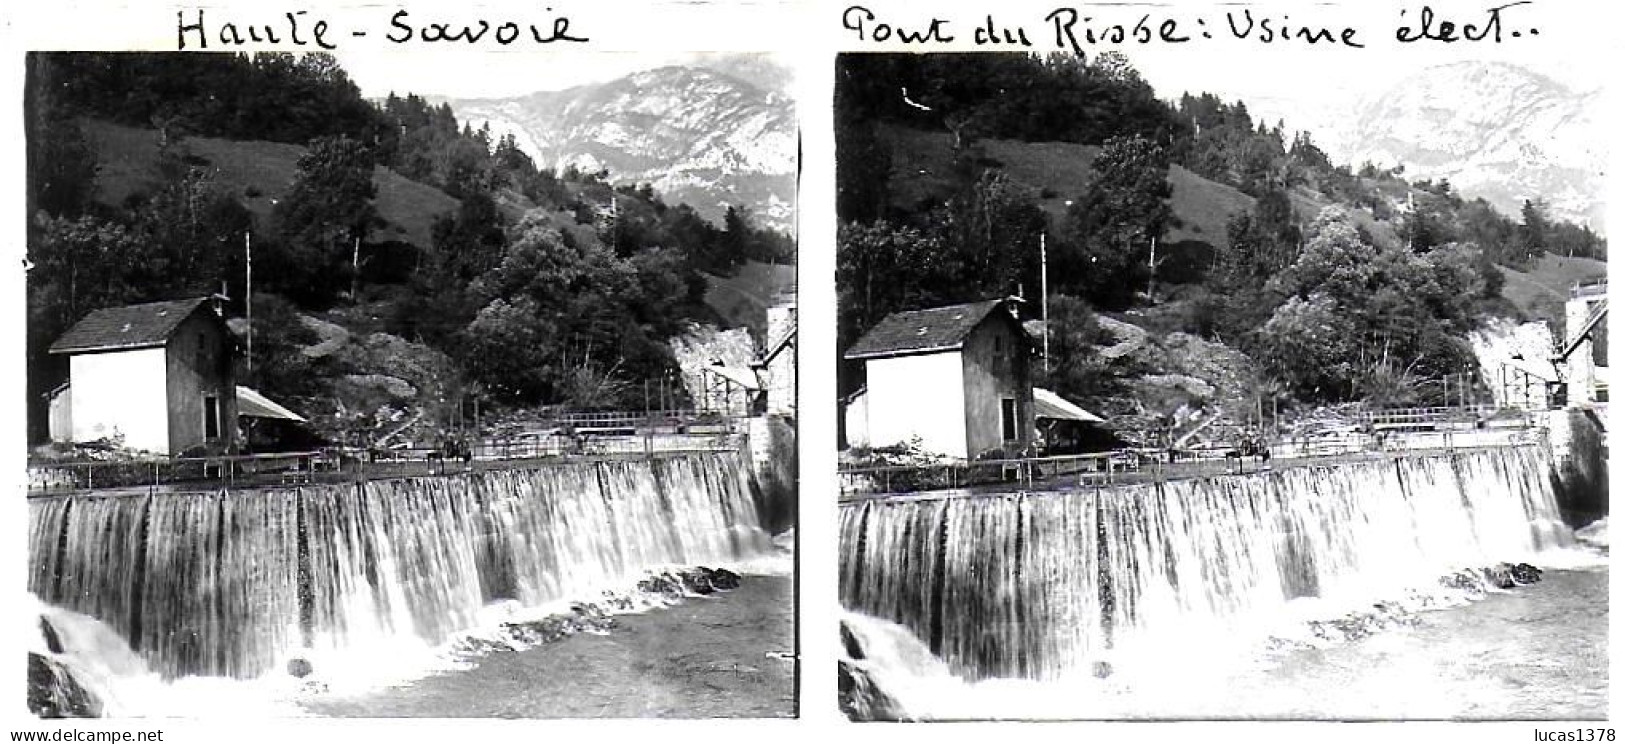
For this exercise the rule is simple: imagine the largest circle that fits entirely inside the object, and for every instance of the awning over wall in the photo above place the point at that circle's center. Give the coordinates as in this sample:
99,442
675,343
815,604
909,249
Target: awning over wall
1051,406
251,403
741,377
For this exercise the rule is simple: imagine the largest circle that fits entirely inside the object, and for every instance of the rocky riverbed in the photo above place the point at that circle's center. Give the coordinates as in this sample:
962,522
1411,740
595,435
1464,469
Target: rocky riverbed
723,655
1536,652
1533,647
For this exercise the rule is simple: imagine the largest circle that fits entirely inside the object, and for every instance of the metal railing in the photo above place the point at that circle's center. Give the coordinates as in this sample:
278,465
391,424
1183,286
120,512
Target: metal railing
1151,465
1090,469
587,442
1589,288
262,469
337,465
1426,417
673,420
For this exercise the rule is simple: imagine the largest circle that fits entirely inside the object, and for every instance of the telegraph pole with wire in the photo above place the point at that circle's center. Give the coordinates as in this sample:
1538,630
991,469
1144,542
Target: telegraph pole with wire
248,293
1043,291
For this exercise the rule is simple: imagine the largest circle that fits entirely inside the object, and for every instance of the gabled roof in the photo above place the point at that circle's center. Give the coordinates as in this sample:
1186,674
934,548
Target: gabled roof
922,331
128,327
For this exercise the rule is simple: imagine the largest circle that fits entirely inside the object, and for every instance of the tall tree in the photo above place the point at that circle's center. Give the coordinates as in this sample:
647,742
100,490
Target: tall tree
1109,228
326,212
882,268
1536,229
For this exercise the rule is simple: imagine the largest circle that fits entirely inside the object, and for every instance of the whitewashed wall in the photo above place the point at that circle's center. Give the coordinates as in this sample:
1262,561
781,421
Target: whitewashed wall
121,393
918,396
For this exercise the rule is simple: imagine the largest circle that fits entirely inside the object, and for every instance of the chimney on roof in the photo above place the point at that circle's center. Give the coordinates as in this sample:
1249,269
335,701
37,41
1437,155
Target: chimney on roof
218,301
1012,305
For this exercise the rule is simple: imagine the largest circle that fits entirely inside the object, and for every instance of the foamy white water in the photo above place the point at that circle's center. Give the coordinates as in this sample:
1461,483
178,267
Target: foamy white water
1595,534
1174,586
196,597
1539,652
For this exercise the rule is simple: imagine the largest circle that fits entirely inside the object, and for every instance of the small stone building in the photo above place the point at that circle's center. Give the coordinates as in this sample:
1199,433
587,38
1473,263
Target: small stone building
155,377
957,379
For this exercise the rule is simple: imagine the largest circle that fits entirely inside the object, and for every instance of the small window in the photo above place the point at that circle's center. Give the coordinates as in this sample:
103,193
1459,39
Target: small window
202,353
1007,411
211,418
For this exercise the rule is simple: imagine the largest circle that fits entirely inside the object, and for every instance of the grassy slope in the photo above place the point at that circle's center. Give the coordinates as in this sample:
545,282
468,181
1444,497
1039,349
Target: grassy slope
922,167
1541,291
129,164
742,299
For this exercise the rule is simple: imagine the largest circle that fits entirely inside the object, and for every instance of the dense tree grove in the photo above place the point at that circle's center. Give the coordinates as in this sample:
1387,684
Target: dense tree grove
546,287
1004,96
1366,322
1371,300
277,97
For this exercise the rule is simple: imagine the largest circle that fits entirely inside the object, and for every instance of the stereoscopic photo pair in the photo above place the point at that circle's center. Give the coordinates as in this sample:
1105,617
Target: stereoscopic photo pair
360,386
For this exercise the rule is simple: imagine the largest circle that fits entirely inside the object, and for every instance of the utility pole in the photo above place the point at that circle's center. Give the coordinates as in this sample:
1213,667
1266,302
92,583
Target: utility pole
1151,286
1410,211
355,271
1043,291
248,293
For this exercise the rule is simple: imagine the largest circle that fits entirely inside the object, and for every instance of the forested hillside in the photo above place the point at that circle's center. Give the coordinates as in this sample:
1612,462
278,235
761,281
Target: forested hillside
403,263
1197,258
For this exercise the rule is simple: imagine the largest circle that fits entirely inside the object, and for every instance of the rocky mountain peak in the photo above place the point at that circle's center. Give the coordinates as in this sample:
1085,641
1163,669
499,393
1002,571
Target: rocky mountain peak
1493,129
699,136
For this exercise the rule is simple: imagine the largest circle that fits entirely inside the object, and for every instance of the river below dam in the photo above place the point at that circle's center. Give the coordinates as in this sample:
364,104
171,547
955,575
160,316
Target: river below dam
1355,591
728,655
1537,652
497,593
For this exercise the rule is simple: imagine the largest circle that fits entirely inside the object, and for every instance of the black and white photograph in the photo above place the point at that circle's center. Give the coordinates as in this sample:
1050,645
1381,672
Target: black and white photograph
410,385
1180,387
681,370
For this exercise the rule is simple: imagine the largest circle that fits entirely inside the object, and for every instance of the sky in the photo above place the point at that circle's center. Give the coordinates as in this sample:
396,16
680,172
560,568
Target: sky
1319,79
1293,75
491,75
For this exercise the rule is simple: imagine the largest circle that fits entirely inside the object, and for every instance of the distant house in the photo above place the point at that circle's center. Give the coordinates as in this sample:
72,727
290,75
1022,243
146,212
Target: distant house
777,367
958,379
1584,355
154,377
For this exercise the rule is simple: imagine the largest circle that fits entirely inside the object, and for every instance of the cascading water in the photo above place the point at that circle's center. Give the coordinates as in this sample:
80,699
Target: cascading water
1051,585
237,583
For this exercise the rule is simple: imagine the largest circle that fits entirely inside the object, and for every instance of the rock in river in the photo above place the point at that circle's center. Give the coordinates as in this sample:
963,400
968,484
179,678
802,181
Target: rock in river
54,693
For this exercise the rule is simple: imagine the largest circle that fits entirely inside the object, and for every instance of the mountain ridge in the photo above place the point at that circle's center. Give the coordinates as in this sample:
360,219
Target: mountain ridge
1493,129
698,136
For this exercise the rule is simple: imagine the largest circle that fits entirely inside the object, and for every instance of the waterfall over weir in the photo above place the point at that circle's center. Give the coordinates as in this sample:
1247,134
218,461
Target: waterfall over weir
233,583
1042,585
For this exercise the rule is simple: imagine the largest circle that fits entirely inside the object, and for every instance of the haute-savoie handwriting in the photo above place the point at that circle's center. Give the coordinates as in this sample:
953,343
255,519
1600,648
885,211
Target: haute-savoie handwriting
301,29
